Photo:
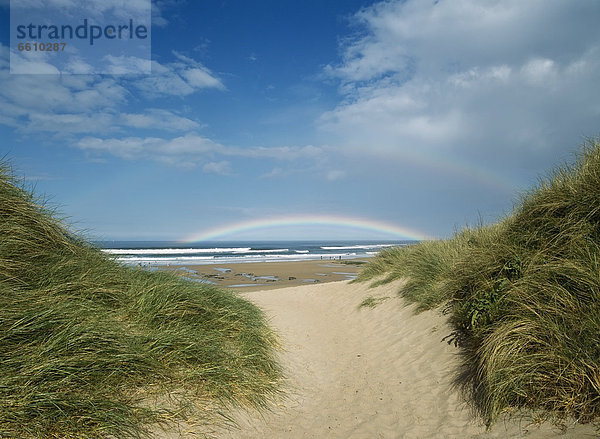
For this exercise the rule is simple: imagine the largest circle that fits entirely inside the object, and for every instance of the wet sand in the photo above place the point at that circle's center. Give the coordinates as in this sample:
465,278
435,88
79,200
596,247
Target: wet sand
270,275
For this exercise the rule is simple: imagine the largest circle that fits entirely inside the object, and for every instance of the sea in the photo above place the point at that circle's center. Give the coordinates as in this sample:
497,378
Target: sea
157,253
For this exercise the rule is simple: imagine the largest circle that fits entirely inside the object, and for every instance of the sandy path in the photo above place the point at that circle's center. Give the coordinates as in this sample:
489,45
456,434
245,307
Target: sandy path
366,373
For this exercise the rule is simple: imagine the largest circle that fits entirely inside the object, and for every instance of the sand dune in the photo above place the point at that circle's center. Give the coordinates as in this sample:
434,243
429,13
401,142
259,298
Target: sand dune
378,372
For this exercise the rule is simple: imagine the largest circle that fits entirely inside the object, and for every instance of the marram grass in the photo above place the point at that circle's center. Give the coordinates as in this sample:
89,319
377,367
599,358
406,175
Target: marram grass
523,297
92,349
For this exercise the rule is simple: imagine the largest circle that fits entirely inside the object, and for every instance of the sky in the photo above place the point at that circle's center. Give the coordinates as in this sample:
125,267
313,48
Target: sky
422,116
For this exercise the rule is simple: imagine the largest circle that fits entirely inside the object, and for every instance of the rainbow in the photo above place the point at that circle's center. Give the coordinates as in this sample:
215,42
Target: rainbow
392,230
460,167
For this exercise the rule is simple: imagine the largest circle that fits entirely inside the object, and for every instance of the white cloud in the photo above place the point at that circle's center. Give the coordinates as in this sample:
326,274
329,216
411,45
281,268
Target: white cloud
85,104
180,78
61,94
123,65
278,152
89,111
127,148
486,81
274,173
79,67
192,149
34,63
541,72
97,122
158,6
190,144
69,122
176,150
158,119
201,78
163,81
221,168
335,174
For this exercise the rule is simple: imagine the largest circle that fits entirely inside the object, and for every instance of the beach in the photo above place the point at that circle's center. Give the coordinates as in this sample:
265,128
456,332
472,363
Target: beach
244,277
366,372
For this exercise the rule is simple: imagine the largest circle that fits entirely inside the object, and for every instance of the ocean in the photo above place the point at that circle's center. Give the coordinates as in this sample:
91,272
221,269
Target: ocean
154,253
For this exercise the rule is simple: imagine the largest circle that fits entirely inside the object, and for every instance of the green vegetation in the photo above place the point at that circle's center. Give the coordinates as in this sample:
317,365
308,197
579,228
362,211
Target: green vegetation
372,302
353,262
92,349
523,296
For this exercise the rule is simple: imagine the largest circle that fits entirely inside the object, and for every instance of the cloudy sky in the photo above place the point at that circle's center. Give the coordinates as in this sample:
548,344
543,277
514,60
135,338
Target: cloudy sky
421,114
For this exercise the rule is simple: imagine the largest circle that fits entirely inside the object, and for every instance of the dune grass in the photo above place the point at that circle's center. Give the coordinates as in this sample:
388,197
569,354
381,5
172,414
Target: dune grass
372,301
92,349
523,296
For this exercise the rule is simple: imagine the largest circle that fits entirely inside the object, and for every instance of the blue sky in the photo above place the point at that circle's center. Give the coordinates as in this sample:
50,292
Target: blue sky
425,115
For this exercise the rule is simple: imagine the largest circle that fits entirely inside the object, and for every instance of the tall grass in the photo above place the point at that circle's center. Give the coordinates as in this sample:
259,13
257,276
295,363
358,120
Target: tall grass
89,348
523,296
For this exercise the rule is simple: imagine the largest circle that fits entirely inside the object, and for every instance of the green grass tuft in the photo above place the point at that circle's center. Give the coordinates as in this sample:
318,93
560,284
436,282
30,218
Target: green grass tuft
89,348
523,296
372,302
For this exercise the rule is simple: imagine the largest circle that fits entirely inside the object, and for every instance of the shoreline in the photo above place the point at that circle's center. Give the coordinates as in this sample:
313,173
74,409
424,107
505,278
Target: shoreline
254,276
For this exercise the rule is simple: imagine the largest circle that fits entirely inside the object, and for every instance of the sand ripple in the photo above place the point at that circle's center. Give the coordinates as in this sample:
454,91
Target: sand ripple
367,373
